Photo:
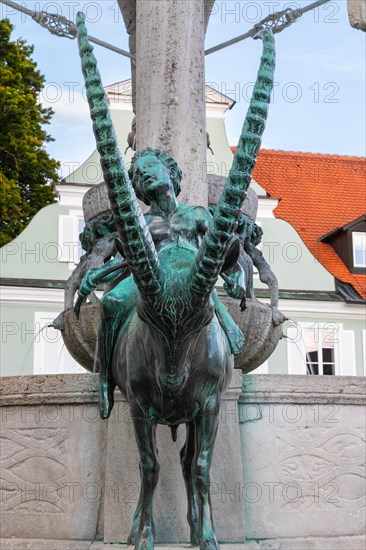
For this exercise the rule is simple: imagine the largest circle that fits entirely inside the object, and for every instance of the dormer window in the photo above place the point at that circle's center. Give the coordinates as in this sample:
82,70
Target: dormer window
349,242
359,249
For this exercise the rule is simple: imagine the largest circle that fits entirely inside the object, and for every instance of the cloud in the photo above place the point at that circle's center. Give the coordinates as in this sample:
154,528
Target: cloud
70,125
337,63
70,107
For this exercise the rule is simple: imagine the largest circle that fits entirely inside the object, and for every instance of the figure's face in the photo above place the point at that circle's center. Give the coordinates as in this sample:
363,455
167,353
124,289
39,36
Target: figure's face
153,176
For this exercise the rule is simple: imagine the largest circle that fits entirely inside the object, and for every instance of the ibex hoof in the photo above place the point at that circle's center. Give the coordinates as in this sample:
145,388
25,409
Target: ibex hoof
145,539
211,544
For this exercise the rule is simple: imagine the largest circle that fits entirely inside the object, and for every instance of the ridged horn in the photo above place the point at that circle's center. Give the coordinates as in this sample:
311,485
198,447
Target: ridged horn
210,257
138,246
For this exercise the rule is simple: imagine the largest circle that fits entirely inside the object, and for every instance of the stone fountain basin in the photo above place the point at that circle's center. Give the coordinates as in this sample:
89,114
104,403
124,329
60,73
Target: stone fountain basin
261,335
80,335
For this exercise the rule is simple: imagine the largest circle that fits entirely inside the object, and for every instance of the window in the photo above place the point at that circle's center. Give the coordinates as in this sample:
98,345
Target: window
320,349
359,249
50,355
69,230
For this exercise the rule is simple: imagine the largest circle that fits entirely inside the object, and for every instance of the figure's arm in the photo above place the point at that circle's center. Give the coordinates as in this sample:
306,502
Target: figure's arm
265,272
234,284
116,267
109,271
267,277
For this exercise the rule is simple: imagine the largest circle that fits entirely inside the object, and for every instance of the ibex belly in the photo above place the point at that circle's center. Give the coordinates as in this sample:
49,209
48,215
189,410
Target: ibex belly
207,366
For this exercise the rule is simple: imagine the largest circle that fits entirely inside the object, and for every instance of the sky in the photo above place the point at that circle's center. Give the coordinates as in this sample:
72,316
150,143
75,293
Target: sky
318,104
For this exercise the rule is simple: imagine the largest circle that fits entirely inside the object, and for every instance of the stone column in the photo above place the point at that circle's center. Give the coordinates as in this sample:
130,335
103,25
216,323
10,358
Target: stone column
128,10
357,14
170,106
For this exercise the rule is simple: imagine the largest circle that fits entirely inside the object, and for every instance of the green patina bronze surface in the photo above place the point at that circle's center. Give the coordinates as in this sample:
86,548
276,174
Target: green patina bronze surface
165,338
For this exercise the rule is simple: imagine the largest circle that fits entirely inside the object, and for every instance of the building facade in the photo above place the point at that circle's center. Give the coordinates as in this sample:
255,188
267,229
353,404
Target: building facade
308,206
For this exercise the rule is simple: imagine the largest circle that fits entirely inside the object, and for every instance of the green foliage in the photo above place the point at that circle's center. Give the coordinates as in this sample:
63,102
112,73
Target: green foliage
26,170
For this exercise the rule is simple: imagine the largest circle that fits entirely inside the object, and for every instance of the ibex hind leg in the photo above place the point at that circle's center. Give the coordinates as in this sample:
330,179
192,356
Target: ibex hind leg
186,459
145,433
206,429
132,538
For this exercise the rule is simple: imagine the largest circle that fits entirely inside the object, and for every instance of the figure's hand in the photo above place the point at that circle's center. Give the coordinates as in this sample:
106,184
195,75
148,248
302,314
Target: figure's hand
234,290
277,317
77,306
88,284
232,286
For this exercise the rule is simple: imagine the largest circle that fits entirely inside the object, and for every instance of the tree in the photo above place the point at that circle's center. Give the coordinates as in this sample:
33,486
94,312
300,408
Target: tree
26,170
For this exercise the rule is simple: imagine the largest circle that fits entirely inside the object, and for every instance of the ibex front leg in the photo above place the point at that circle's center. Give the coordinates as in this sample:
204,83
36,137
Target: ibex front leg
206,428
145,433
186,458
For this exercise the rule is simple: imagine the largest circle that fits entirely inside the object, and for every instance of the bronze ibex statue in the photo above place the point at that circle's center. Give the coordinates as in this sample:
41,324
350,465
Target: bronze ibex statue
164,336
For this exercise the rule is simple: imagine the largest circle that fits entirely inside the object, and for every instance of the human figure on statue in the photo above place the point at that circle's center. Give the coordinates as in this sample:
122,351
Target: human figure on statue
156,178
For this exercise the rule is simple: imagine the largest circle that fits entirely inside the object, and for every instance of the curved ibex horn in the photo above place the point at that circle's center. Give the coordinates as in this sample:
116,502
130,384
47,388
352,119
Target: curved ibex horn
138,246
210,257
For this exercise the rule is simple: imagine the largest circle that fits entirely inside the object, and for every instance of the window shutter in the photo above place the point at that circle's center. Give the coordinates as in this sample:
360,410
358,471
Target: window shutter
68,363
46,344
67,238
296,353
50,355
347,353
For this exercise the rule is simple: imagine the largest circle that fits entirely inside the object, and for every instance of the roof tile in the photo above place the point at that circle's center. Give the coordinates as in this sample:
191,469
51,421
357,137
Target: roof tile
318,194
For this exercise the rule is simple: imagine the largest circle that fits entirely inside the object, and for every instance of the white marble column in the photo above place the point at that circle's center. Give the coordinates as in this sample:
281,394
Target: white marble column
170,106
357,14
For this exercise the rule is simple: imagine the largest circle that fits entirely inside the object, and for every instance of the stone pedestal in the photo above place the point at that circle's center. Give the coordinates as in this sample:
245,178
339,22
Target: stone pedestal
303,449
50,544
296,474
52,459
170,504
170,105
68,475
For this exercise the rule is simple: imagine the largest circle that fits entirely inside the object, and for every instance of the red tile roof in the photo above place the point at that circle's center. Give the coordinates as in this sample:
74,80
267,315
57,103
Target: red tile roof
317,193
